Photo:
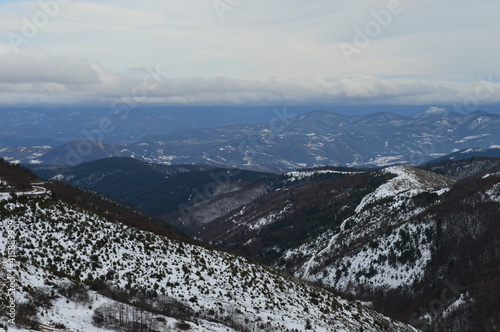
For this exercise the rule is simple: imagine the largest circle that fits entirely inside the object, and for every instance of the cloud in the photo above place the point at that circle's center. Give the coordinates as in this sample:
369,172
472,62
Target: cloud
39,67
35,76
265,51
264,38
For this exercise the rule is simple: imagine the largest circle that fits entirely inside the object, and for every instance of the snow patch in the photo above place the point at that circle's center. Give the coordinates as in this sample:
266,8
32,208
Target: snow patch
299,175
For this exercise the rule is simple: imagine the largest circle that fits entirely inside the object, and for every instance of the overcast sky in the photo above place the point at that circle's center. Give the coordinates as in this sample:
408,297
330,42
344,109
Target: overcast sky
250,51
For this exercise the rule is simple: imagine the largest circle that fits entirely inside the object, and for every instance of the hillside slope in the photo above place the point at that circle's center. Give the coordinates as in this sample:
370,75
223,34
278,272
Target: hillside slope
143,281
463,168
397,238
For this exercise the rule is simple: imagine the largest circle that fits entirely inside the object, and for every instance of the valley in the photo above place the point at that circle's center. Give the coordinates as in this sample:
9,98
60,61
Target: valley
249,166
390,237
397,223
116,276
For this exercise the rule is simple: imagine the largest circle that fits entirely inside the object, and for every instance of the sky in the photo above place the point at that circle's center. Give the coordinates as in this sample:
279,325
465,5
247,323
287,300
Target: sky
250,52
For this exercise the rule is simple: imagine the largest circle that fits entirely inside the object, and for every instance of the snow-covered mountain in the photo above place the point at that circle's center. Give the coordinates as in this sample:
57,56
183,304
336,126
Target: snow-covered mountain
81,269
309,140
397,238
492,152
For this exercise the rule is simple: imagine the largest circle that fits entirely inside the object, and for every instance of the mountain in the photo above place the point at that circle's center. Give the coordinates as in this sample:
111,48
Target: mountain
20,178
493,152
462,168
419,246
436,111
76,267
77,152
38,125
24,154
309,140
154,189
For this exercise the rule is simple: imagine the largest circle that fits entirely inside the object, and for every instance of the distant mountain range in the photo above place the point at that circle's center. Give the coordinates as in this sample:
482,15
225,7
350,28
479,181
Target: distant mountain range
35,126
314,139
312,197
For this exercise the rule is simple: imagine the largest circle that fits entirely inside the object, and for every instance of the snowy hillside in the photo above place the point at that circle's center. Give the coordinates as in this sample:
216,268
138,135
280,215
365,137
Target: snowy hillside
396,238
58,244
408,182
393,260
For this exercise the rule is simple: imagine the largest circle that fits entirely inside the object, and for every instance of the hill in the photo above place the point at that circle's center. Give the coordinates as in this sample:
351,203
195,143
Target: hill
469,153
74,268
462,168
398,238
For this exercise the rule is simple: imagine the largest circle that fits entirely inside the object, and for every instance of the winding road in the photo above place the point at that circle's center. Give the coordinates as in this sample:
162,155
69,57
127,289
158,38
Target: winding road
37,189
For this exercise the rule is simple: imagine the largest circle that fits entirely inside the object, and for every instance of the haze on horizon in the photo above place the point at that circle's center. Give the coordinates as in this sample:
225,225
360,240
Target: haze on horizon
237,52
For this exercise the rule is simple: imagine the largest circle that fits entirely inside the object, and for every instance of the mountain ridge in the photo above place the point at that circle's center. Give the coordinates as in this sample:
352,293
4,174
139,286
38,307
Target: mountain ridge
392,239
313,139
107,274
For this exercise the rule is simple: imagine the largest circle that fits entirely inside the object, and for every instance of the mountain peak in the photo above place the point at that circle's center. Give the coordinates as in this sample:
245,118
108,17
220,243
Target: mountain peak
407,179
435,111
318,114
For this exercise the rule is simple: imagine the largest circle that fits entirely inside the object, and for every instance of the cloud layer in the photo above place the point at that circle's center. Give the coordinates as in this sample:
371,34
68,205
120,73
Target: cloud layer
40,77
262,52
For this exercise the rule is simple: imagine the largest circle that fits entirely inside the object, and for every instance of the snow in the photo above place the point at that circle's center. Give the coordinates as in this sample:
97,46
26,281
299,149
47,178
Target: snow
442,191
404,181
66,238
470,150
435,110
78,317
58,177
452,307
408,181
393,259
494,193
269,219
386,274
470,138
491,174
386,160
299,175
4,196
36,190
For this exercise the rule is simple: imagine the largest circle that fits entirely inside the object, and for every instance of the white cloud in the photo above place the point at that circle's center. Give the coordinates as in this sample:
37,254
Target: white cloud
273,50
37,76
39,67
